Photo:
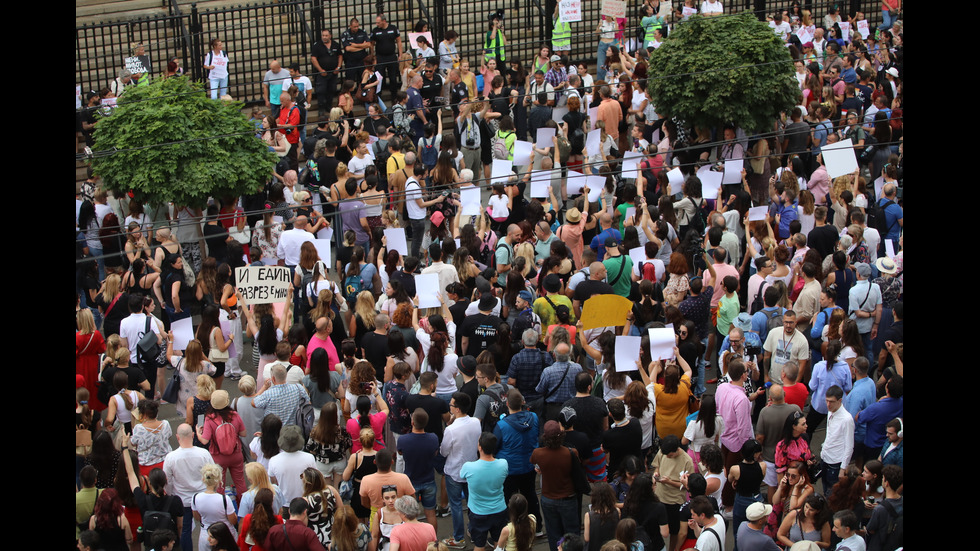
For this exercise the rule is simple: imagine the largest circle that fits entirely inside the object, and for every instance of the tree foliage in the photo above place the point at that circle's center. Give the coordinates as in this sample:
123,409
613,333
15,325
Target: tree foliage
218,156
742,73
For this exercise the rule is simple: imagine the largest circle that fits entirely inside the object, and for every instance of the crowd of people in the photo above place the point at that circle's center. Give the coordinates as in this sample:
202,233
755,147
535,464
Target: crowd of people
364,418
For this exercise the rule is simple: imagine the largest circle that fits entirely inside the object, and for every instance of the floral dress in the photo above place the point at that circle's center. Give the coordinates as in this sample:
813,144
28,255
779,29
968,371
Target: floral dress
267,246
677,287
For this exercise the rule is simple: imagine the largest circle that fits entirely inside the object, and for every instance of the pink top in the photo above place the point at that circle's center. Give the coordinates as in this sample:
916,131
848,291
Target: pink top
571,234
326,344
819,184
721,270
211,423
377,424
736,410
797,450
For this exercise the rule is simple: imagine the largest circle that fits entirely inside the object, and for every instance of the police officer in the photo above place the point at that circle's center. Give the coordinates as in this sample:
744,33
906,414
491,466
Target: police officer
386,44
432,85
326,57
356,44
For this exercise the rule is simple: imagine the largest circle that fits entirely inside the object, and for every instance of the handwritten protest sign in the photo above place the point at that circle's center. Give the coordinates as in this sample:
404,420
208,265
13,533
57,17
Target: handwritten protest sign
263,284
613,8
570,11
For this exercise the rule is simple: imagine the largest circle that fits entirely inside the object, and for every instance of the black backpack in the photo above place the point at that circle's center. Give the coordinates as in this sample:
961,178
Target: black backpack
159,520
758,303
894,536
877,218
381,155
496,408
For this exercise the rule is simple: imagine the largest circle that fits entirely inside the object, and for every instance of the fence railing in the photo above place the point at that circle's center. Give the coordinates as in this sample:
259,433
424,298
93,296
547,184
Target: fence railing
255,34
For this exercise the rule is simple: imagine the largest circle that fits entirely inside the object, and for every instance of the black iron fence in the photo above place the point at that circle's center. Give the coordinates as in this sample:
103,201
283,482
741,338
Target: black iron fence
255,34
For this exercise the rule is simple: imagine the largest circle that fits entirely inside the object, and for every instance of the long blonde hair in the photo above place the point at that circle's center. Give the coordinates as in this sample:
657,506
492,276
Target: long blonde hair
85,321
258,477
364,307
112,284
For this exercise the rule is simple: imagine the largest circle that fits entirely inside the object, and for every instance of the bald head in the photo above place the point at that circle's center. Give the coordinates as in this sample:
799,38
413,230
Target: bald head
322,325
776,394
285,98
300,222
597,271
605,219
563,352
274,66
889,190
185,435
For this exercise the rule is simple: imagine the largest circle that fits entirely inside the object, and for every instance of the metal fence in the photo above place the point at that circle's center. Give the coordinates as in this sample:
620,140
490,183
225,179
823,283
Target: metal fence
255,34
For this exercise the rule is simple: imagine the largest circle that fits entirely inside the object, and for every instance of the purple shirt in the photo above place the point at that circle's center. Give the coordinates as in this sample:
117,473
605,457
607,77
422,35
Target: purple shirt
350,218
735,408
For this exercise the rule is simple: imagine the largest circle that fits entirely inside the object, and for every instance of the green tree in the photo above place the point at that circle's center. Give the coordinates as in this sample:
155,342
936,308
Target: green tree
216,154
729,69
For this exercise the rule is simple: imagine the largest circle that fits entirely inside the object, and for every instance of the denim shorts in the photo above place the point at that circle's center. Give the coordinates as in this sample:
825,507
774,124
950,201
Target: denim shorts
426,493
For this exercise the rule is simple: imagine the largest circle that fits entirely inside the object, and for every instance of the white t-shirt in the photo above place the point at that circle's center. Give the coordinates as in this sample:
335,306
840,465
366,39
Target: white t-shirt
658,266
286,468
132,328
710,7
498,206
357,166
413,191
101,211
782,29
695,433
707,541
446,383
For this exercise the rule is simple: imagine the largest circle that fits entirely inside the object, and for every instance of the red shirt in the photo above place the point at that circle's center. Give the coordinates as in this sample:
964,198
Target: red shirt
796,394
290,117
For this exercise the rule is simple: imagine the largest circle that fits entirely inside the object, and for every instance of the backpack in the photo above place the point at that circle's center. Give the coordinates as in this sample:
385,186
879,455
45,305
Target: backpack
894,533
429,154
877,218
159,520
353,285
304,290
304,418
774,319
226,439
498,144
699,221
525,320
309,176
496,408
758,303
147,349
381,156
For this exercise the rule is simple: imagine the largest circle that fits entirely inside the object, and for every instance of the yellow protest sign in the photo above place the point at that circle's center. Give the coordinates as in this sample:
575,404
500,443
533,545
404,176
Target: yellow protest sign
605,311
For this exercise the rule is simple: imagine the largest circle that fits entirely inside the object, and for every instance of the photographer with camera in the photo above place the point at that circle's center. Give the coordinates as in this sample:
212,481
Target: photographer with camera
494,41
745,346
432,85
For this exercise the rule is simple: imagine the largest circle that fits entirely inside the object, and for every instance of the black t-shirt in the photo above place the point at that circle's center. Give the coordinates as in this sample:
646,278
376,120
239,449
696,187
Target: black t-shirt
823,238
622,441
458,310
590,413
136,377
574,120
431,87
215,236
500,103
327,167
472,389
384,40
481,329
326,55
375,348
371,125
167,503
585,290
458,92
433,406
651,516
407,281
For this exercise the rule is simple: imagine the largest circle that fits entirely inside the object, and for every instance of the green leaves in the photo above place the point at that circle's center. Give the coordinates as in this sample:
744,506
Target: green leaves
160,142
715,70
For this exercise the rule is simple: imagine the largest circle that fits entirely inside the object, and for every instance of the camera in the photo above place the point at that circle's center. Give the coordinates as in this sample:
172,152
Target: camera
470,142
753,350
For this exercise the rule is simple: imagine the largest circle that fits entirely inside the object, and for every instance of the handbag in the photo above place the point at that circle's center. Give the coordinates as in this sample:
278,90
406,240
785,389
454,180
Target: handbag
148,349
215,354
346,490
172,393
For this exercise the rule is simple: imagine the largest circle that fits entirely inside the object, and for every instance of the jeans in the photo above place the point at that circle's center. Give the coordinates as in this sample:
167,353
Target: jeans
219,87
96,252
601,59
561,516
456,491
418,231
702,365
186,539
831,474
738,513
866,342
887,20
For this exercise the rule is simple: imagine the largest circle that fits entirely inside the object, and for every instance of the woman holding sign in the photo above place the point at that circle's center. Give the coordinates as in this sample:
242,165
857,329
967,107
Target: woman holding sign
671,396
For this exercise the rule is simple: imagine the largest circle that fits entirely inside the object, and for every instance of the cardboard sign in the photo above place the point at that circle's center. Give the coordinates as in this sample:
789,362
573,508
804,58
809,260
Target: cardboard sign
570,11
263,284
605,311
139,65
613,8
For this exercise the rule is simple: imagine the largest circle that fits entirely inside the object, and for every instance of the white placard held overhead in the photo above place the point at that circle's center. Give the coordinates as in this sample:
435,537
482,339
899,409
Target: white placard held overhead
630,213
662,343
845,30
710,182
427,289
637,255
263,284
627,352
593,117
879,183
501,171
325,233
469,196
570,11
839,158
522,152
558,113
757,214
862,27
804,35
395,237
593,143
596,185
183,333
543,138
733,171
613,8
631,163
323,250
676,179
574,183
540,183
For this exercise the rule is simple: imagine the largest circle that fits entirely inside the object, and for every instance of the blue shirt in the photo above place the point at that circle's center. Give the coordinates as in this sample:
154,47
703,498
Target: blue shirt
419,450
820,135
517,436
821,380
861,396
760,320
485,480
414,104
876,417
598,243
893,213
786,215
823,317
